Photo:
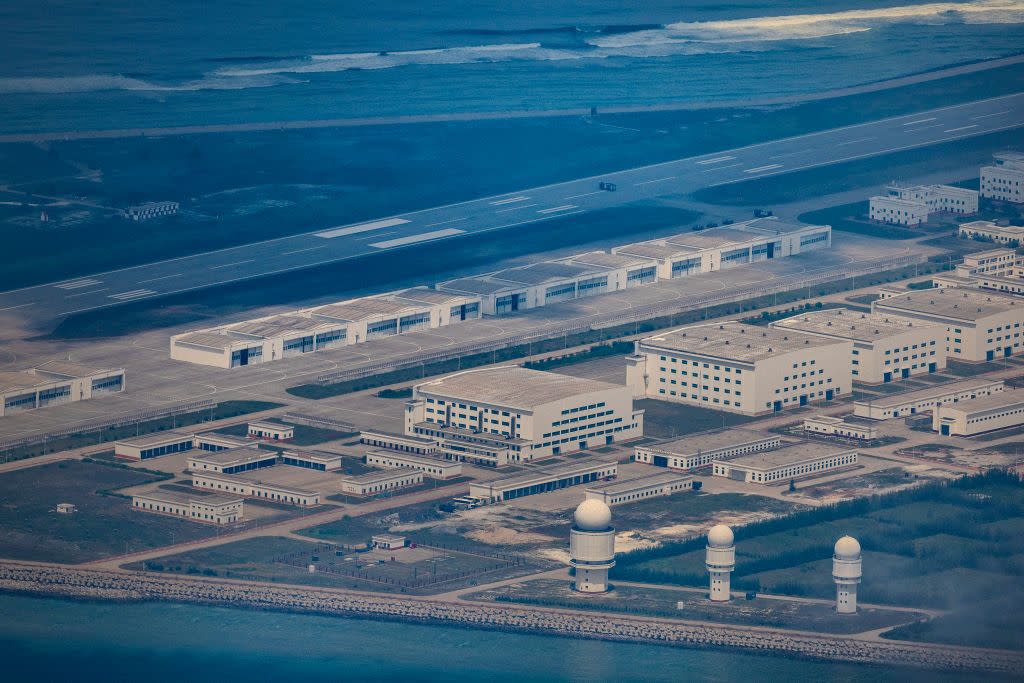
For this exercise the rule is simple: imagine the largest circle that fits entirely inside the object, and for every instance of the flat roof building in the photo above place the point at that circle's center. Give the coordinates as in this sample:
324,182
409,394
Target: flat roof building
271,431
980,325
837,426
697,450
312,460
641,488
1004,178
212,441
403,443
231,461
1012,235
153,445
207,509
288,485
541,413
789,462
983,414
436,468
913,204
885,347
924,400
739,368
54,383
383,481
543,479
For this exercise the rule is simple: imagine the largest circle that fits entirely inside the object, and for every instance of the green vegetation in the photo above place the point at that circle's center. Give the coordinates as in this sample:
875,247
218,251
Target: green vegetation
304,435
220,411
943,545
104,524
616,348
404,392
920,284
662,602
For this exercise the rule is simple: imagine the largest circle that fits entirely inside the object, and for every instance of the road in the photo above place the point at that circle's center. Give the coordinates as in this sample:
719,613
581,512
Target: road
43,304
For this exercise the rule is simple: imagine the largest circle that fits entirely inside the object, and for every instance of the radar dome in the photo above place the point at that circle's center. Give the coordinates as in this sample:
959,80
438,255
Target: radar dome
720,536
847,548
593,515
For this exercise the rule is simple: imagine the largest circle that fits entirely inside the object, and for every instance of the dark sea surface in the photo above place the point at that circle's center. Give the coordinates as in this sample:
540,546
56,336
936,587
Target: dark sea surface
73,65
56,640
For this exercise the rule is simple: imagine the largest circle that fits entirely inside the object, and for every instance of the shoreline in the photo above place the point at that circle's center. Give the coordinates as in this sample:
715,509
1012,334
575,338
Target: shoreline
107,586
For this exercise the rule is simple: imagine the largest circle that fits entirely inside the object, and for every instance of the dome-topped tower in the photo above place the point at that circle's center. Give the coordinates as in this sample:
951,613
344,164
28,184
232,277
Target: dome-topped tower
846,572
592,546
720,561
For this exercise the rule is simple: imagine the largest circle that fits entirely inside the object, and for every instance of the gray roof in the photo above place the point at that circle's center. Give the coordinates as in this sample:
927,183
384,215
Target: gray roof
511,386
854,325
232,456
793,454
68,369
182,498
155,438
276,326
935,392
365,309
640,483
478,285
952,303
11,381
604,260
655,250
422,295
776,226
734,341
713,440
212,340
993,402
549,473
540,273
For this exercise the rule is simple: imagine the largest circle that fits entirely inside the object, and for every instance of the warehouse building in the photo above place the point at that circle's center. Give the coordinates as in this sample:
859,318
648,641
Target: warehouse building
213,509
837,426
698,450
402,443
1000,270
1004,179
153,445
472,446
271,431
885,347
983,414
543,479
789,462
312,460
924,400
739,368
212,441
384,481
913,204
231,461
287,485
1012,235
980,325
641,488
530,413
431,467
54,383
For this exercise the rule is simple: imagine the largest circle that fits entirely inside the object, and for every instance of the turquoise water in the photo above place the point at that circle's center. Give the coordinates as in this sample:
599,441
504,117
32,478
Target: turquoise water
69,64
56,640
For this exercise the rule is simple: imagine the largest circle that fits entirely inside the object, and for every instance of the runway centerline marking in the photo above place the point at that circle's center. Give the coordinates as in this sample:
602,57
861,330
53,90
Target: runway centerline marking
133,294
299,251
658,180
78,284
564,207
452,220
235,263
162,277
721,168
362,227
985,116
375,237
762,168
585,194
515,208
953,130
716,160
911,123
11,308
413,239
914,130
854,142
91,291
510,200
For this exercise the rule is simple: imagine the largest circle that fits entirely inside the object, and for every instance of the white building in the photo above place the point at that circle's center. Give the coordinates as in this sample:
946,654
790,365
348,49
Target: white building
720,560
641,488
837,426
912,205
592,546
383,481
792,461
312,460
54,383
924,400
402,443
698,450
435,468
1012,235
387,541
276,484
846,572
983,414
739,368
212,441
213,509
980,325
153,445
231,461
543,479
271,431
534,414
885,347
1004,179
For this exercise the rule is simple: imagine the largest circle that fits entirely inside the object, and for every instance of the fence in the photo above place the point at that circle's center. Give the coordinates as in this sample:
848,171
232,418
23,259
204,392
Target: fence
319,422
636,314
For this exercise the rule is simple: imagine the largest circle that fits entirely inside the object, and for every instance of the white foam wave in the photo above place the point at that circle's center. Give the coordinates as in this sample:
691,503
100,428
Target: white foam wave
103,82
810,26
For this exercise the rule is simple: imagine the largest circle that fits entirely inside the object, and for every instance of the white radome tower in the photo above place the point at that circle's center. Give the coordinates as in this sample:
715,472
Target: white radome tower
846,572
592,546
720,561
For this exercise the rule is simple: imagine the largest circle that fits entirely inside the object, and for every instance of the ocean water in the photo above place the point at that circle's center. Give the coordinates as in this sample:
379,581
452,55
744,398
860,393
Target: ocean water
55,640
72,64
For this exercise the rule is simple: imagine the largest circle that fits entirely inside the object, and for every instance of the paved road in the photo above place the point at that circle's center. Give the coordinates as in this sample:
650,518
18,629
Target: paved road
43,304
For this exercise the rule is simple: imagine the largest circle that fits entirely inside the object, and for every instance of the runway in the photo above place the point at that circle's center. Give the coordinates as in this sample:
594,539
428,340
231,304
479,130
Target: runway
40,305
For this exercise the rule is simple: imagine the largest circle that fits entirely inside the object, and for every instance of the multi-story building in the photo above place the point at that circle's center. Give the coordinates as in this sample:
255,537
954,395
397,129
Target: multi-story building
1012,235
793,461
1004,179
980,325
925,400
885,347
436,468
208,509
912,205
983,414
524,414
54,383
739,368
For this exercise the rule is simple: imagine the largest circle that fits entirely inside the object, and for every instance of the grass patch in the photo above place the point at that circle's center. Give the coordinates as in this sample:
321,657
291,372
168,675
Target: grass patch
617,348
404,392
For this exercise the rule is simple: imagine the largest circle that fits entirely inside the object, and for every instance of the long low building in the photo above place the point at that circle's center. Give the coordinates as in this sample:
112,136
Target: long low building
312,460
885,347
383,481
542,479
154,445
435,468
1004,178
54,383
837,426
739,368
786,463
208,509
275,484
697,450
404,443
231,460
913,204
924,400
984,414
641,488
